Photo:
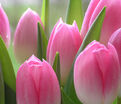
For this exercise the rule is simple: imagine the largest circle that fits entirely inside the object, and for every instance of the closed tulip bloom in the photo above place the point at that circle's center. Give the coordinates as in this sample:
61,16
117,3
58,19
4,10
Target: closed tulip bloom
37,83
116,41
66,40
96,74
112,20
4,27
25,38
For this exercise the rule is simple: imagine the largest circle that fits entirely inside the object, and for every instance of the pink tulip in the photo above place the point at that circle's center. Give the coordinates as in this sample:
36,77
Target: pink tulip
116,41
96,74
37,83
112,19
66,40
4,27
25,39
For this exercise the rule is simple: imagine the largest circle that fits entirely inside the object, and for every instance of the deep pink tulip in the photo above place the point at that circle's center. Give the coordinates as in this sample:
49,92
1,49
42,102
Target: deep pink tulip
96,74
115,39
4,27
25,39
37,83
66,40
112,19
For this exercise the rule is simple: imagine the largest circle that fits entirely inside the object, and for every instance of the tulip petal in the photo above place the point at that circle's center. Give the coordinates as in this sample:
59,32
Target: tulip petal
26,91
4,27
51,93
87,79
108,64
58,24
67,51
112,19
25,39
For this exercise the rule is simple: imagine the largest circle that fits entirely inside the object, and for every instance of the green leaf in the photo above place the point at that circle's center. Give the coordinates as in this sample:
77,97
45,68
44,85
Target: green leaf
10,95
94,31
42,43
118,100
2,93
7,67
92,34
75,12
56,66
65,99
45,15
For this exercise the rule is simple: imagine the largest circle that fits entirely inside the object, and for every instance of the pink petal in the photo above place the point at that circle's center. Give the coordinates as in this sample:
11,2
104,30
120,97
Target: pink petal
66,41
87,79
109,65
88,14
26,92
112,19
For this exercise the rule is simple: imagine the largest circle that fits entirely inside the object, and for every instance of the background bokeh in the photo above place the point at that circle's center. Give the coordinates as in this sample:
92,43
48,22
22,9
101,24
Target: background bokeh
15,8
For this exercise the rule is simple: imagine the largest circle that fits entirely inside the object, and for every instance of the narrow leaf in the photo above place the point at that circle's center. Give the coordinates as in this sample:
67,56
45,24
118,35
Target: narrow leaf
92,34
65,98
75,12
45,15
56,66
94,31
42,43
7,67
2,93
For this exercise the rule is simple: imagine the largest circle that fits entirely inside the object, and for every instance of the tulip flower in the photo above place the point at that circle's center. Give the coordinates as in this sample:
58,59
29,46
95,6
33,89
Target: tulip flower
66,40
112,20
37,83
115,39
25,38
4,27
96,74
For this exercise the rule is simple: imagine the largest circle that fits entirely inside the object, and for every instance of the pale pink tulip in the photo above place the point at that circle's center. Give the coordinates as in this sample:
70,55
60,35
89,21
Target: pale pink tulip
96,74
25,39
4,27
112,19
66,40
37,83
115,39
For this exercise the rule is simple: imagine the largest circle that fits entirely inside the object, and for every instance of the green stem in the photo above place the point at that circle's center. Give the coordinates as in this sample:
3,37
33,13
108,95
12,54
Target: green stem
118,100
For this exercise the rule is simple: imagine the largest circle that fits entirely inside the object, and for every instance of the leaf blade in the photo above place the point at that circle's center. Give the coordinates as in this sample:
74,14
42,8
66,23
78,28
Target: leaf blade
45,15
56,67
75,12
42,43
7,67
65,98
90,36
2,93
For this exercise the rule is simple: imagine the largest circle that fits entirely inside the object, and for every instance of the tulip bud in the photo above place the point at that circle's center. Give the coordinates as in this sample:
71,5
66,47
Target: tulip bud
115,39
112,20
4,27
37,83
66,40
25,39
96,74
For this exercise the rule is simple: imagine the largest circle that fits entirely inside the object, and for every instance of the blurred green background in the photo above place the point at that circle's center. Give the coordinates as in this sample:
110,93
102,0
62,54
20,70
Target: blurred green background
15,8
